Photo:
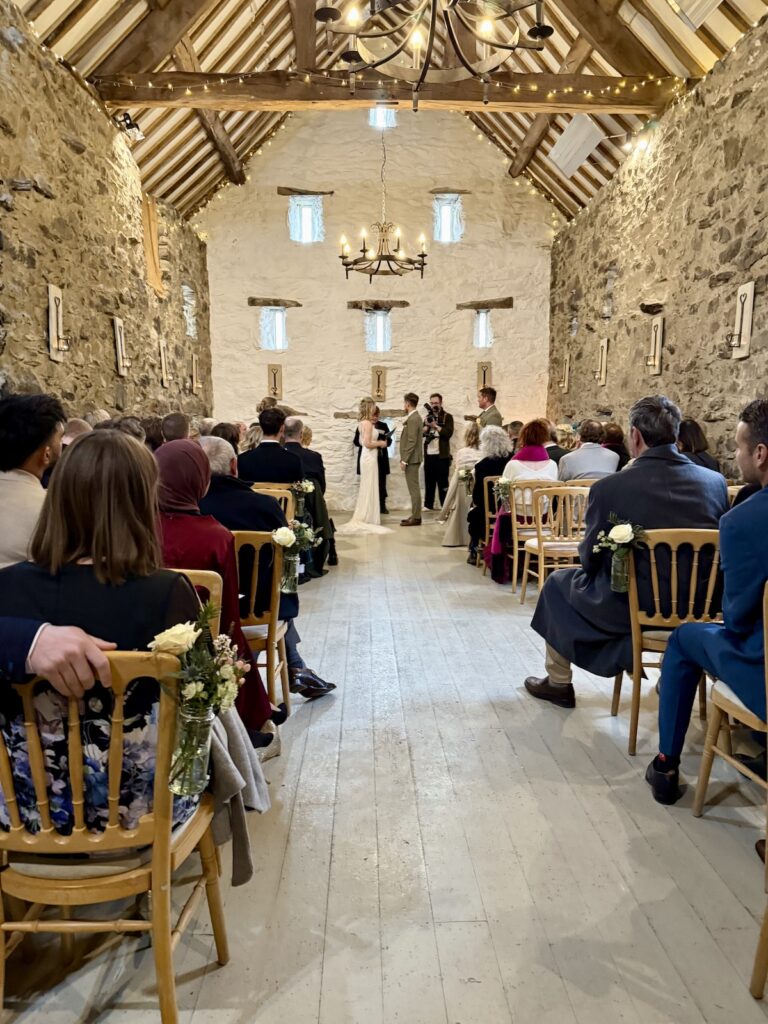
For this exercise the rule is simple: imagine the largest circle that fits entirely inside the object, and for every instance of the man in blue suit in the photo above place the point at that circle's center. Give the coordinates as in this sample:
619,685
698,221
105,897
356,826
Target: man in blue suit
733,651
68,658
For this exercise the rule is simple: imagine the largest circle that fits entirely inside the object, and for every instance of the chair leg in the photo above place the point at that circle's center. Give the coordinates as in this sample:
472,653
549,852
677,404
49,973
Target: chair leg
526,569
542,572
727,738
634,717
707,757
162,950
67,938
208,859
271,672
760,967
3,940
616,694
284,676
515,565
703,698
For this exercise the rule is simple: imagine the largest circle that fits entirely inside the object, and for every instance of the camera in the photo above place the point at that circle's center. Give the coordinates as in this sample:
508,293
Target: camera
433,413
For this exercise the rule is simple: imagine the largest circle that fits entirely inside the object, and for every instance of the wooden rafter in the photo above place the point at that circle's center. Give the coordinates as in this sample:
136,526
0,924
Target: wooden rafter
611,37
304,33
186,60
685,57
575,59
284,91
154,37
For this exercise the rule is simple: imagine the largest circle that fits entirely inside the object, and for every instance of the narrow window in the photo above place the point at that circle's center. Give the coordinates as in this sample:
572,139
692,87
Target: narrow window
483,333
273,335
305,219
378,331
382,118
189,307
448,218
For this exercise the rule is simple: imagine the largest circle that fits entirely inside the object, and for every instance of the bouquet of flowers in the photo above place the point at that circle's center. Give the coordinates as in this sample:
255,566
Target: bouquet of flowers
467,477
294,538
300,491
211,673
620,539
502,489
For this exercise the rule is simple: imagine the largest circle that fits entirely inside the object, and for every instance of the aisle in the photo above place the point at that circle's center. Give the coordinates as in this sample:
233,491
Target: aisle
444,849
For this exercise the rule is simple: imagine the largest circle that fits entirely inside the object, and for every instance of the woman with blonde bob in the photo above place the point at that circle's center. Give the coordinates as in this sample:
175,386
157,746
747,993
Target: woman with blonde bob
457,502
367,515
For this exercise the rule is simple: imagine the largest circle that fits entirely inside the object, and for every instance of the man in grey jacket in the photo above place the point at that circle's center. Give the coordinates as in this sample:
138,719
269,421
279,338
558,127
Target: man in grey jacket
411,455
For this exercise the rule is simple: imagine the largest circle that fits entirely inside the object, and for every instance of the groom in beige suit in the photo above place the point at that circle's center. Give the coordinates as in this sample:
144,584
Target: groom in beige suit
411,455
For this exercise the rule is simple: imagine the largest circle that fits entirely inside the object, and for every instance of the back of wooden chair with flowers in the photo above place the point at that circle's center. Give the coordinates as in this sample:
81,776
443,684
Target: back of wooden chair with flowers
675,577
66,791
210,587
261,546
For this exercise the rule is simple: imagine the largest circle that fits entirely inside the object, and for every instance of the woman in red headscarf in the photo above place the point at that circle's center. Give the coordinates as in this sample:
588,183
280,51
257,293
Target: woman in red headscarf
194,541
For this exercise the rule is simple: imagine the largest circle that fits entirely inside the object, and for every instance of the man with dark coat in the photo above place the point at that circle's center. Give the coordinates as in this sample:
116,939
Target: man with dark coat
583,621
383,457
237,507
311,462
438,431
269,462
732,651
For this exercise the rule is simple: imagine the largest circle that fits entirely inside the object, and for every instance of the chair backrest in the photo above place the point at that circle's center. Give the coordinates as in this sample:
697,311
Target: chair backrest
282,494
26,788
559,513
212,586
682,575
733,490
521,497
258,545
490,507
585,482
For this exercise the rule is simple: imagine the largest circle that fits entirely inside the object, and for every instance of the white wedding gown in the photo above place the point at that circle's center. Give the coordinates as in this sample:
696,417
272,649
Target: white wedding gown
366,518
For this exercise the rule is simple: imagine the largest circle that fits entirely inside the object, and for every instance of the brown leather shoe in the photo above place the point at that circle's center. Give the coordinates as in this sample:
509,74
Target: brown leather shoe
410,521
563,695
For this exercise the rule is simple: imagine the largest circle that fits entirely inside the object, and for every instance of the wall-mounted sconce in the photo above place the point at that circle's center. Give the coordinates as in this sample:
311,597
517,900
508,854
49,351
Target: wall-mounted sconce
379,382
58,344
126,124
653,359
565,381
197,384
121,359
275,381
165,377
741,337
601,373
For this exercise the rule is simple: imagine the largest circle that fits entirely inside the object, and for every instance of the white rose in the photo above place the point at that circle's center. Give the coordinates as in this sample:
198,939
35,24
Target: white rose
227,672
189,692
285,537
621,534
176,640
308,487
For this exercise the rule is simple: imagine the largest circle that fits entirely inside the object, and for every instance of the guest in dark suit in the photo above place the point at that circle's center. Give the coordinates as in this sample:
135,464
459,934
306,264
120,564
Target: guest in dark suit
554,450
311,462
383,455
269,462
733,651
495,449
237,507
68,658
583,621
693,443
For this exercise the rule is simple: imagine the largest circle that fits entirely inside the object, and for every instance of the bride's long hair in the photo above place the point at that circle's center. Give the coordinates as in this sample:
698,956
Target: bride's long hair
367,409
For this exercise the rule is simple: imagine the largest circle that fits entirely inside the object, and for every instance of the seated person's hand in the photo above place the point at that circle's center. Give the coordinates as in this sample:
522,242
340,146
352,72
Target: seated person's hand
70,659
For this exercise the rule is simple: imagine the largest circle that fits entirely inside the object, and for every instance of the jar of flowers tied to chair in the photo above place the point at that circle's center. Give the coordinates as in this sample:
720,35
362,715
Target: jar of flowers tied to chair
293,539
619,540
300,491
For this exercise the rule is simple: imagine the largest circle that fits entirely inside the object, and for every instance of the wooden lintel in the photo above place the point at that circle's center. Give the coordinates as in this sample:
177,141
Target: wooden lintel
599,23
505,303
284,190
185,58
285,303
372,305
450,192
287,90
154,37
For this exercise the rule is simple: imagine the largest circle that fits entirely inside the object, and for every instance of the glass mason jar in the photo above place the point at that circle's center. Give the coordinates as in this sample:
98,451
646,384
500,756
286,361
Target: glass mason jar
191,756
300,505
620,571
290,582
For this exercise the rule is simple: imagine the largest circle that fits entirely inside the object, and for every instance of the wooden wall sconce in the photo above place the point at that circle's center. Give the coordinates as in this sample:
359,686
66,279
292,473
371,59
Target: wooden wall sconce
741,337
121,359
484,375
653,359
165,377
58,344
601,373
275,381
379,383
197,384
565,381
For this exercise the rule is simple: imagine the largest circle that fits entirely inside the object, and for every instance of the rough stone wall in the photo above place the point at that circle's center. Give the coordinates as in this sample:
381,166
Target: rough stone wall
683,224
505,251
70,215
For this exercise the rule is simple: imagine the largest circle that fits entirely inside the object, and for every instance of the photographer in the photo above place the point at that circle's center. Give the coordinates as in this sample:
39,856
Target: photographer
438,431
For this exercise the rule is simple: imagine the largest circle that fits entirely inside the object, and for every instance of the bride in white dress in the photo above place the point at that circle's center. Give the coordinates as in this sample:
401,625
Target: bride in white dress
366,517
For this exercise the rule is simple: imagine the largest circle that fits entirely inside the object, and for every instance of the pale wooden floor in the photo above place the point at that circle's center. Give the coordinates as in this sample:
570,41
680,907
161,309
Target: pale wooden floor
445,850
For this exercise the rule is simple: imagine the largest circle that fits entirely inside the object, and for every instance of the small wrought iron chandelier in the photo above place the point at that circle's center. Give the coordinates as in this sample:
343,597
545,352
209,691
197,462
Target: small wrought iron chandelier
382,261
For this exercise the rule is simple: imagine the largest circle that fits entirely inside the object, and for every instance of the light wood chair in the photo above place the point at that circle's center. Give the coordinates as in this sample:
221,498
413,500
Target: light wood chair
651,631
581,483
490,511
49,869
558,516
265,633
733,490
521,497
282,494
213,586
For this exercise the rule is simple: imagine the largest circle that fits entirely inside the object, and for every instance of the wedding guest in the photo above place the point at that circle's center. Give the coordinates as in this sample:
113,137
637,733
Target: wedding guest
269,462
384,433
590,460
531,462
73,429
734,650
489,414
153,432
97,416
457,500
513,432
230,432
581,618
206,424
693,443
311,462
130,425
306,436
495,449
191,540
613,441
31,428
96,565
555,450
566,436
252,439
232,502
175,426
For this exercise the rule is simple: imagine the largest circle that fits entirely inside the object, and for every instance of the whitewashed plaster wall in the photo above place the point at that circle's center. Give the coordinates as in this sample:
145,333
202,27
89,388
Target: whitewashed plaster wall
505,251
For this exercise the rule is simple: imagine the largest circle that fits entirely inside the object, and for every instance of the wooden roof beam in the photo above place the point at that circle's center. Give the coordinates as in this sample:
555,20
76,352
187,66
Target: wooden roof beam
154,37
575,59
185,58
599,23
285,90
304,33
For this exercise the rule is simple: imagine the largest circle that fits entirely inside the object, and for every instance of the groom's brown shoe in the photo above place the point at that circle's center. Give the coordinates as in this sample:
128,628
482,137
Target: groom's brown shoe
410,521
560,694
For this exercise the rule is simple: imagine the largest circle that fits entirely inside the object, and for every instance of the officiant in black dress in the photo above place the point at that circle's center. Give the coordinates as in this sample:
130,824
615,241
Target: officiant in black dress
385,435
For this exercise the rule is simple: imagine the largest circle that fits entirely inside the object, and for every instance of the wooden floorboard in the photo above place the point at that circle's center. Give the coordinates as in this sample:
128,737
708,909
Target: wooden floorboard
445,850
